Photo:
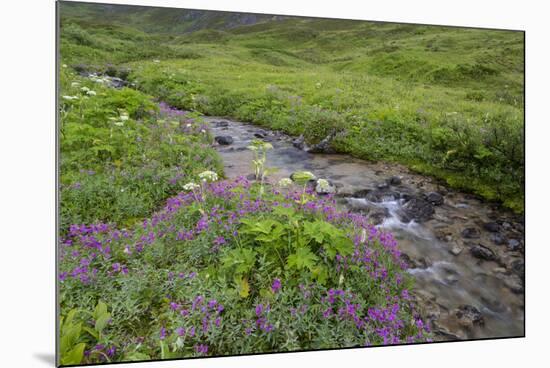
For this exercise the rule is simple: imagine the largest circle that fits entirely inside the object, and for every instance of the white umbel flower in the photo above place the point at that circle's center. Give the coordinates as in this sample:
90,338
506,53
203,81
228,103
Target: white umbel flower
190,186
285,182
208,176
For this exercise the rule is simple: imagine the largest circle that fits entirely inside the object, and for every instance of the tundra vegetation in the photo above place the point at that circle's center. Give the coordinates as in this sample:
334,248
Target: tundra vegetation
161,256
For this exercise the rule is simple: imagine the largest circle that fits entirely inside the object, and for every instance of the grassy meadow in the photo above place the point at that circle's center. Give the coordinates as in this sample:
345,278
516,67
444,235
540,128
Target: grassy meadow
160,257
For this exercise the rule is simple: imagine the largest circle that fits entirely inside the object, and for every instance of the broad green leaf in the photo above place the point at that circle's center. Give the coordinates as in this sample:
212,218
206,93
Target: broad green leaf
135,356
102,321
100,309
303,258
74,356
243,287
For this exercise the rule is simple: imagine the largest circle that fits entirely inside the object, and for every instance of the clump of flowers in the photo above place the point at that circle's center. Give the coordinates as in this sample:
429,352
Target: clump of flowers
276,285
285,182
208,176
190,186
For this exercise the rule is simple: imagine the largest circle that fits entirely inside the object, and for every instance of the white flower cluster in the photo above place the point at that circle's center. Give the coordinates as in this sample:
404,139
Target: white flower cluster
190,186
97,79
88,91
70,98
121,119
208,176
285,182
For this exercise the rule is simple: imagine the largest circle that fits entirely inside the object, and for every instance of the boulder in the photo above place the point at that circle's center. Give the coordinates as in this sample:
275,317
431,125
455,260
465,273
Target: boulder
223,140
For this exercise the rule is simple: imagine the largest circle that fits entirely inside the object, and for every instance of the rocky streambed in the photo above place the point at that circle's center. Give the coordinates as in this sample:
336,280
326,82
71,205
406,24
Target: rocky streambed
467,256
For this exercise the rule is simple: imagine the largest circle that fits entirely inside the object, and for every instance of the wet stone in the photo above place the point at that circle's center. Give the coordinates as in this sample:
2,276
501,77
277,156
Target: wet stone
514,283
394,180
497,238
469,316
383,186
456,250
418,209
435,198
482,252
470,233
491,227
518,267
299,142
514,245
221,124
224,140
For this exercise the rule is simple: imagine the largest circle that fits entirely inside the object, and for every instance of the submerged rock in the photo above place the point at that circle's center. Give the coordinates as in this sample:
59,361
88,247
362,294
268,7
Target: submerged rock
224,140
221,124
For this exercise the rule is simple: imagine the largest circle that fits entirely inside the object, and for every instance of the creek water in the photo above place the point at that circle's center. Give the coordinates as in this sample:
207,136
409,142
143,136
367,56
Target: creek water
450,278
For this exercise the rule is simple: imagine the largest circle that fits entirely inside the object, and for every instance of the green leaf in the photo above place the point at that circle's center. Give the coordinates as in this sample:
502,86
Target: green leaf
313,231
91,331
74,356
100,309
241,259
303,258
321,274
243,287
135,356
102,321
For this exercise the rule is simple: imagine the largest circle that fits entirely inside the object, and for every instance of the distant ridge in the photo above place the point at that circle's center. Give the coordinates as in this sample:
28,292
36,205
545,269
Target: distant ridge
164,20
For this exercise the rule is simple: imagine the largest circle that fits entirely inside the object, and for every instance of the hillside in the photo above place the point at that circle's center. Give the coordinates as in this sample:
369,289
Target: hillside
445,101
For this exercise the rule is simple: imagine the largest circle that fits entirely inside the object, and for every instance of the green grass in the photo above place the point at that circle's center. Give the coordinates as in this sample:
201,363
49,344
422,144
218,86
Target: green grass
121,156
447,102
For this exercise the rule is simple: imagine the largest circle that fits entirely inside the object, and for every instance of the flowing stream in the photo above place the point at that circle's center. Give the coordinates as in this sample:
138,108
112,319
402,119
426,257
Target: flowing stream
467,257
